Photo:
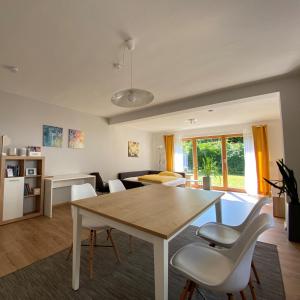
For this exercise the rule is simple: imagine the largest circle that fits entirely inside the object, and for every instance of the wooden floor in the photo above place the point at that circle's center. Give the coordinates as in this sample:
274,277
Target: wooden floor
25,242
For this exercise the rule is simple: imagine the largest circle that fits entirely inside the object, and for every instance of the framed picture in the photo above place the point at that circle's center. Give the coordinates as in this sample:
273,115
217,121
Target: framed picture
76,139
52,136
10,172
30,172
133,149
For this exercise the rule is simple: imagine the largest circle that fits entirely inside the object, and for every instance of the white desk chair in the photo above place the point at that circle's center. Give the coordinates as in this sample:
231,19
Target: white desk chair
225,236
115,186
83,191
222,270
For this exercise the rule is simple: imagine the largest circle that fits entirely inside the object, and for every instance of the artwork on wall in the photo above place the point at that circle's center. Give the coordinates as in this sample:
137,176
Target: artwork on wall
133,149
76,139
52,136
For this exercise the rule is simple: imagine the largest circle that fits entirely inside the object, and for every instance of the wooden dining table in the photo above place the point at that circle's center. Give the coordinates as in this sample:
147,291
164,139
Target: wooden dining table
153,213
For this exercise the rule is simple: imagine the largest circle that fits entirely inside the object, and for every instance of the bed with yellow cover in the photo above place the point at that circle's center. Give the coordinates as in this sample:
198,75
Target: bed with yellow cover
165,178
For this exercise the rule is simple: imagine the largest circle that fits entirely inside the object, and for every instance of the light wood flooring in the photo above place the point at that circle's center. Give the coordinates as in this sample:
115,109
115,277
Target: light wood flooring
25,242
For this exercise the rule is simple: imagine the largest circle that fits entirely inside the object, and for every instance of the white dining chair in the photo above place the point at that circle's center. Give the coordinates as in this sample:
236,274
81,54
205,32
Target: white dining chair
220,269
83,191
225,236
116,186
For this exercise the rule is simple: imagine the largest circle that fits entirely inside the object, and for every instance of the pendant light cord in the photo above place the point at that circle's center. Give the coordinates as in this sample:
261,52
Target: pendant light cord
131,72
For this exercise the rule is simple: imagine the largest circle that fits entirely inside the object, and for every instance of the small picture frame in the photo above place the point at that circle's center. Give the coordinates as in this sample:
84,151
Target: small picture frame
10,172
30,172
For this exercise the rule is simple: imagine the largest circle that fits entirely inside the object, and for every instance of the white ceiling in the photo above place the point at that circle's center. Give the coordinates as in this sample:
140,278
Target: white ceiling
65,48
249,110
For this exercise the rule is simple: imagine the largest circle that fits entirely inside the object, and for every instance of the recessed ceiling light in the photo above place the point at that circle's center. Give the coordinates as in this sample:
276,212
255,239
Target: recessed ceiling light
191,121
13,69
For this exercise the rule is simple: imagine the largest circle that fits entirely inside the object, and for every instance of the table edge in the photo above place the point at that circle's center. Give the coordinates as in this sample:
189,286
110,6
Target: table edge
164,236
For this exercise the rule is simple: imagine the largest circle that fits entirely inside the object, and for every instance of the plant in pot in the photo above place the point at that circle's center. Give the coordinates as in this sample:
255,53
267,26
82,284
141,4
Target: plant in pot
288,186
209,168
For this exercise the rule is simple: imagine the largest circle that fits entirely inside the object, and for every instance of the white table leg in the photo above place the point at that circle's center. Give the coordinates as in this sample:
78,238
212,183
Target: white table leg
161,262
77,220
218,207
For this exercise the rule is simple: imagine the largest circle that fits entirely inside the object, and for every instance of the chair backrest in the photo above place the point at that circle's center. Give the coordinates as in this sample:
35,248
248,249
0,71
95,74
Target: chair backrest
116,186
242,252
82,191
99,181
254,212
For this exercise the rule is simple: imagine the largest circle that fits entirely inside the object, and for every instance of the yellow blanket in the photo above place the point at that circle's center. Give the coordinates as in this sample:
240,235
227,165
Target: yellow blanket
156,178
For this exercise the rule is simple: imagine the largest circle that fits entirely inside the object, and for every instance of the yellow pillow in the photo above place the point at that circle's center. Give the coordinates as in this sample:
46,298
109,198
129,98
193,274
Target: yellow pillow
168,173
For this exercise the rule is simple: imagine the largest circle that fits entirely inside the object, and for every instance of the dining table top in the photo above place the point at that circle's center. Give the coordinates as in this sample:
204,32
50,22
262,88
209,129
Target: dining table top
157,209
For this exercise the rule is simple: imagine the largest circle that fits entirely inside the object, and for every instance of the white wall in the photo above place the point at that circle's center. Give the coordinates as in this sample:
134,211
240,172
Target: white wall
119,149
105,146
275,140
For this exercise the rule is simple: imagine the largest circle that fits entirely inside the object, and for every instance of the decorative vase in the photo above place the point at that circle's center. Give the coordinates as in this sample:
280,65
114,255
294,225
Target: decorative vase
206,182
294,222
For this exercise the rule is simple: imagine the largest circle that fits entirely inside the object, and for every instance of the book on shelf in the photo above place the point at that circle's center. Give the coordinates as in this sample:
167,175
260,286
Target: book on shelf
27,190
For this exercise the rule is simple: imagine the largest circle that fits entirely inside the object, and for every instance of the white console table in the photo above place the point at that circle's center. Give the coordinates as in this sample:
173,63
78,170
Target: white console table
62,181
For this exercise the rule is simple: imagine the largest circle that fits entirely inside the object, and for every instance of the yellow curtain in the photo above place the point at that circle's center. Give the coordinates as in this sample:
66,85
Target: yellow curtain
169,146
262,158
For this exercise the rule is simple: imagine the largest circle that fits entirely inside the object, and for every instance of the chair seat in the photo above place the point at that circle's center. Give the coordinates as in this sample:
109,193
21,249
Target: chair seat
219,234
93,224
204,265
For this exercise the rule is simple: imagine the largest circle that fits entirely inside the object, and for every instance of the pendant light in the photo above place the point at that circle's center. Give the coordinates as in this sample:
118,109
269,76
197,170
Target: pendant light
131,97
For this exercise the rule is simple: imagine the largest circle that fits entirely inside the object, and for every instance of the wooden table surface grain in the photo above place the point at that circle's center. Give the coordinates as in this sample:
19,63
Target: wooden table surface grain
156,209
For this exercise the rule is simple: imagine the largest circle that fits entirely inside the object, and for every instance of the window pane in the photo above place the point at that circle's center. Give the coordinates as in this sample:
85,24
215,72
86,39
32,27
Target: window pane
188,158
235,162
209,151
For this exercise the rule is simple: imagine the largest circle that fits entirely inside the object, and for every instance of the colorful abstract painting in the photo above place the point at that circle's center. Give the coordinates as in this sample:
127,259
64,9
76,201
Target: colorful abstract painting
52,136
76,139
133,149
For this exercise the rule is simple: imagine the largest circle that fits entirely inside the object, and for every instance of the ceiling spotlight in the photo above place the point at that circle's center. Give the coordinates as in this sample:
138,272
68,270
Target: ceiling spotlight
13,69
191,121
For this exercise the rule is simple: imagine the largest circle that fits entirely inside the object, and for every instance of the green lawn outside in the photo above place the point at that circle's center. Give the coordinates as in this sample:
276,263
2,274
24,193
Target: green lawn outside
234,181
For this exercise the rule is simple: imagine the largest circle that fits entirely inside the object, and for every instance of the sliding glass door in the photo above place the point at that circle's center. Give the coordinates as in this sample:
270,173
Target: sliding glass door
209,151
224,153
235,162
188,158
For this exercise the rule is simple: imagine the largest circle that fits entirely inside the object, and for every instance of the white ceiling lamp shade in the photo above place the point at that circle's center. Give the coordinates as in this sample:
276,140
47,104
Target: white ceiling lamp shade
132,97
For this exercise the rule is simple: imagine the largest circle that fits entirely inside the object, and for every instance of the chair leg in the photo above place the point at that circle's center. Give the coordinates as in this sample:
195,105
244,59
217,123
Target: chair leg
191,290
113,245
70,252
243,295
130,244
230,296
91,253
186,292
252,289
255,272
